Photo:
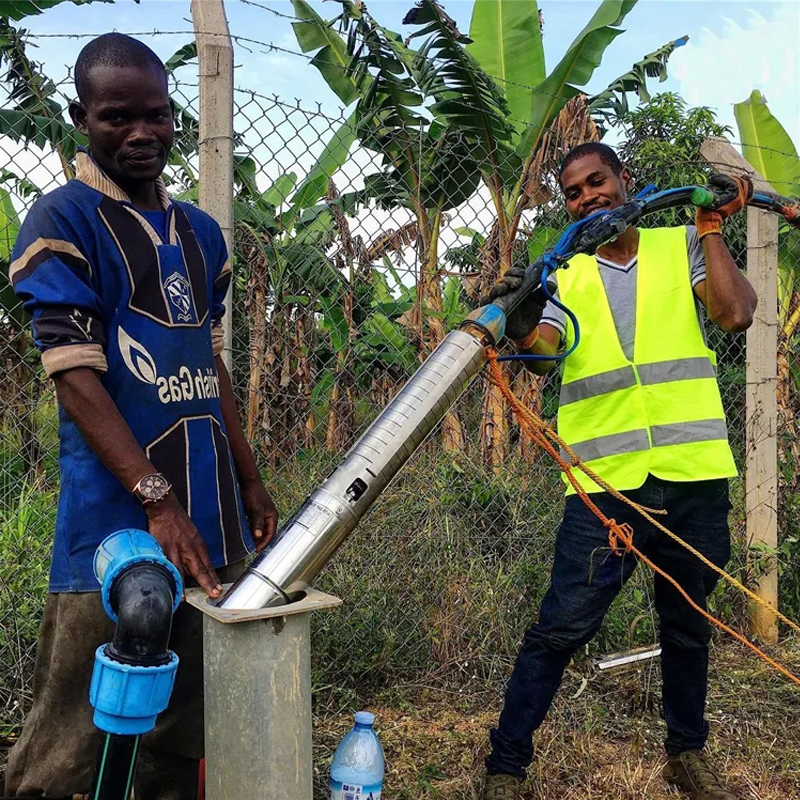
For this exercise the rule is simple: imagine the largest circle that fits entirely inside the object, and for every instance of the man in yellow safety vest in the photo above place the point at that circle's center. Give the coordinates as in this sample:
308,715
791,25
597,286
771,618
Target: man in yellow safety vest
639,405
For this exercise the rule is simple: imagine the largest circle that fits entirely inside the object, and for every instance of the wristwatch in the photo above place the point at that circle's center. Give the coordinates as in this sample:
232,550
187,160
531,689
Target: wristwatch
151,489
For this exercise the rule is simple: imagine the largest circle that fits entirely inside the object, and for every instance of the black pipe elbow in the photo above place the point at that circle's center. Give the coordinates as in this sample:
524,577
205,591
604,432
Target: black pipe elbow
142,597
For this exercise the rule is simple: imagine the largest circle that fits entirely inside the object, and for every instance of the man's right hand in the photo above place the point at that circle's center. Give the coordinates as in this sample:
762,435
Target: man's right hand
520,322
170,526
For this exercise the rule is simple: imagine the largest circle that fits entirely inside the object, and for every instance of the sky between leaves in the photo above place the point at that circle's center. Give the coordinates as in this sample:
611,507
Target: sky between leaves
735,46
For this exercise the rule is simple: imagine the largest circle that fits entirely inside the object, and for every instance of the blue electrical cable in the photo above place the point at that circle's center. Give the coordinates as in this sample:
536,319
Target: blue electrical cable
563,250
546,270
611,223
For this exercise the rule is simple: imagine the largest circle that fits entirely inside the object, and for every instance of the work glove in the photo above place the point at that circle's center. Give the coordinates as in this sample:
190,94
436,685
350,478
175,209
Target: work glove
523,320
733,194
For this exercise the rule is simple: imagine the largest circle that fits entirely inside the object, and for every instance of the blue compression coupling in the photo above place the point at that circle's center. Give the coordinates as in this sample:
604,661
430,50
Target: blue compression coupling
126,698
121,550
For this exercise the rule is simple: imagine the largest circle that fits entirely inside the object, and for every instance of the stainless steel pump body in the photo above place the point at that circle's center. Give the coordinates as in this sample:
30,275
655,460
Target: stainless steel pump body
306,542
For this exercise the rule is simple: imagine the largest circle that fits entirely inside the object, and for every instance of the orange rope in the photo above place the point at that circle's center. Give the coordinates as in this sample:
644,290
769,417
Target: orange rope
541,433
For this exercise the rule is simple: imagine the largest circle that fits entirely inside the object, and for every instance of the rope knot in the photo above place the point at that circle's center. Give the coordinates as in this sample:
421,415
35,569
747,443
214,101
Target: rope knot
620,537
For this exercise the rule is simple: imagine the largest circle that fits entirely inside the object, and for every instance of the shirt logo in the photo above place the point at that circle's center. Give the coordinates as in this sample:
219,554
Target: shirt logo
136,357
179,293
185,385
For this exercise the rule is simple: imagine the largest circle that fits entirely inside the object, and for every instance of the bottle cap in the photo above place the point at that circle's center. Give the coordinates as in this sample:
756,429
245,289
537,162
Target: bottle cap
364,718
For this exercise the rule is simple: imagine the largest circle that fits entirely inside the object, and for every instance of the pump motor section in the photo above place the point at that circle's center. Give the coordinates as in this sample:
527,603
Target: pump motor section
310,538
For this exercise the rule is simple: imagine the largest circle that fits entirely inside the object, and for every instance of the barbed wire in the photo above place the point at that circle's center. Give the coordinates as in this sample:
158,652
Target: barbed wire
272,47
276,12
155,32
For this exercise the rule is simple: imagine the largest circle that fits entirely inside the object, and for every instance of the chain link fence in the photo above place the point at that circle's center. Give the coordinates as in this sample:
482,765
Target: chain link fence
449,567
336,300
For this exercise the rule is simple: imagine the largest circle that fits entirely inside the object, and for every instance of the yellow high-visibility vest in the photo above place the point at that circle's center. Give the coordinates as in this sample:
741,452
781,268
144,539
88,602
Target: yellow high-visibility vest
661,413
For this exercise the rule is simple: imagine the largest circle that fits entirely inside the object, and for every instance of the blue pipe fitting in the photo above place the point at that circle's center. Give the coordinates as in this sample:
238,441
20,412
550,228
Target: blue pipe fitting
121,550
126,698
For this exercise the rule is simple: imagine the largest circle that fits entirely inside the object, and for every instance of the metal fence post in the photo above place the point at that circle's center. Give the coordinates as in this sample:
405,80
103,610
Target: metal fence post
761,412
215,69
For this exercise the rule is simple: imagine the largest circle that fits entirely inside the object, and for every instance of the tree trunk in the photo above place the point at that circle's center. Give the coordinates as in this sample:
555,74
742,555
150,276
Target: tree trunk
341,419
528,388
494,438
305,344
430,299
257,314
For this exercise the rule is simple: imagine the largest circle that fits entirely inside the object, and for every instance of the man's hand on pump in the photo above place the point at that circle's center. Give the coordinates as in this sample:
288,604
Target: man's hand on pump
169,524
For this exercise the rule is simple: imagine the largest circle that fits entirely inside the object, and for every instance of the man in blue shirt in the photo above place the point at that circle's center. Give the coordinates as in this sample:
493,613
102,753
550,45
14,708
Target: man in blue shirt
125,288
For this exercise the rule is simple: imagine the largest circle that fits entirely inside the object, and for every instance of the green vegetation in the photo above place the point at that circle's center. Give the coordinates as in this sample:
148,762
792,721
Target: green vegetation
448,570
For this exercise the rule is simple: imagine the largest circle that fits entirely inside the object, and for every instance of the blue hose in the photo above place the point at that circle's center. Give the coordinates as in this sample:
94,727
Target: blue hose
585,235
546,270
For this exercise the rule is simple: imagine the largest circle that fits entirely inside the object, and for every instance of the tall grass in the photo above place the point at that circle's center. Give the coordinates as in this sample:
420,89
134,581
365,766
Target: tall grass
439,581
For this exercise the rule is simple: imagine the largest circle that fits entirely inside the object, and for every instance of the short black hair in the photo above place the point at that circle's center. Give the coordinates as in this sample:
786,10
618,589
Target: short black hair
605,153
113,50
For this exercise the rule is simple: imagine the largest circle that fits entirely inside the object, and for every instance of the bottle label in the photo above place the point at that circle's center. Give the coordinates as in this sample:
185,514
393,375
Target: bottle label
355,791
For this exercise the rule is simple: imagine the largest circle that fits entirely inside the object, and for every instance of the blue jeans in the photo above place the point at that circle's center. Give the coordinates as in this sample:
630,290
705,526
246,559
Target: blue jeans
586,578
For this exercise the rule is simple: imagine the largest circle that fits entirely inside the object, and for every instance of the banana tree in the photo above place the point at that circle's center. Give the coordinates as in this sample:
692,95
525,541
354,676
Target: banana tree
770,149
513,154
33,114
507,43
427,167
9,228
550,114
269,256
283,238
370,347
316,314
480,116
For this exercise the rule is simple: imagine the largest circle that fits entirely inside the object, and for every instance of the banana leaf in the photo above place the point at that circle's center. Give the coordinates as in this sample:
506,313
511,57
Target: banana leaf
574,70
507,43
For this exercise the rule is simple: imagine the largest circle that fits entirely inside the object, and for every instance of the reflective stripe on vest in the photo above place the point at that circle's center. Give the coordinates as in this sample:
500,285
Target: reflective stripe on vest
679,369
594,385
612,445
701,430
704,430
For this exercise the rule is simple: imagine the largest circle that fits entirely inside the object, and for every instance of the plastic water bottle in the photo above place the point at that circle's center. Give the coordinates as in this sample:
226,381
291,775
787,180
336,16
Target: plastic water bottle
357,768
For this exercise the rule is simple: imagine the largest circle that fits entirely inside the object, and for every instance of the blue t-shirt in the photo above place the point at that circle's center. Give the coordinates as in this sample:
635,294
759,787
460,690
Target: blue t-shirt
104,293
158,219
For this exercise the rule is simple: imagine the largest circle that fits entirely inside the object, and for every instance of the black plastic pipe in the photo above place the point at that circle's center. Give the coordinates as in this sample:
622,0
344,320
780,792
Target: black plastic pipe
142,597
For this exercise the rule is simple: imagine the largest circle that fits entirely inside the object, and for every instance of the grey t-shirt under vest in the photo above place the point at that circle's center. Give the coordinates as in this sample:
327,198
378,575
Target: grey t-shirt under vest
619,281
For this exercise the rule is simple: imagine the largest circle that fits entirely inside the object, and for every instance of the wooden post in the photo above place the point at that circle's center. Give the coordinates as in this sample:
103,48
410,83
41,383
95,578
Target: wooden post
761,420
215,69
762,413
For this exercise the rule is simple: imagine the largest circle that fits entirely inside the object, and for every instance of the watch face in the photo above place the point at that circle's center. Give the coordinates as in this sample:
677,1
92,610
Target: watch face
153,487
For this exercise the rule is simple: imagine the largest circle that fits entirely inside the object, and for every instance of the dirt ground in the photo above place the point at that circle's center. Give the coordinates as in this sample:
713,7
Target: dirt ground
603,738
